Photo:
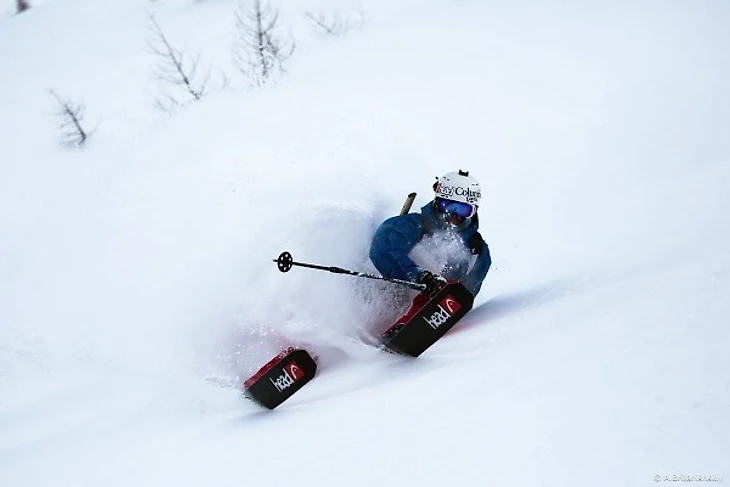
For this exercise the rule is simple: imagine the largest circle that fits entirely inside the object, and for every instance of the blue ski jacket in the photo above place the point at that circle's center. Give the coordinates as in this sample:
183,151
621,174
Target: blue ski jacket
396,237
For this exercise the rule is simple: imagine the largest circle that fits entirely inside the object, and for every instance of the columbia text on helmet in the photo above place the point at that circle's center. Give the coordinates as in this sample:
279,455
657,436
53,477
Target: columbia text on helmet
459,186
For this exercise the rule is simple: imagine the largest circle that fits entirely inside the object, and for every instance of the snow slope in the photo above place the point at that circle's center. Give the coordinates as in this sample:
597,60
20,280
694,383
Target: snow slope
136,281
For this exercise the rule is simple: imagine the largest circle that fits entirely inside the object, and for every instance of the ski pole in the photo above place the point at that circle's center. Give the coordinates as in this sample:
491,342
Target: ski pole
285,262
408,203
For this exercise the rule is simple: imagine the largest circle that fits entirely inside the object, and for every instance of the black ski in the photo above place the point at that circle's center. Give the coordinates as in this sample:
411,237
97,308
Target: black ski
431,322
278,380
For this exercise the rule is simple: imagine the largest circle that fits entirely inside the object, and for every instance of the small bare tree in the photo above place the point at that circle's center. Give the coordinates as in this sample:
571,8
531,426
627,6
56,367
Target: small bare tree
335,24
259,51
22,5
175,68
71,117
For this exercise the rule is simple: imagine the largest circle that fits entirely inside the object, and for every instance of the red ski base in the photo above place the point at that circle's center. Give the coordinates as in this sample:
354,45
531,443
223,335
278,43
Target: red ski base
418,302
251,380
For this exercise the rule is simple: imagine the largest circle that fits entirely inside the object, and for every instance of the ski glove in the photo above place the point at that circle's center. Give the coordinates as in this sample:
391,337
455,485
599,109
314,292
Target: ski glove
433,282
476,243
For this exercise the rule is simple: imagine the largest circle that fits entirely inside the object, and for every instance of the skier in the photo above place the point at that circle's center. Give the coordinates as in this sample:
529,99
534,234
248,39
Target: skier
450,217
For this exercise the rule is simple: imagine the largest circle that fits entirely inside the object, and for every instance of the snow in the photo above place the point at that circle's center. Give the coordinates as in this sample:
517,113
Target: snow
136,281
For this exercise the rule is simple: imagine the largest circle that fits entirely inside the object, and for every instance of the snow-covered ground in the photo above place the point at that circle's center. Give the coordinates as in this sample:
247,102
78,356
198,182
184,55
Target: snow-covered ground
136,279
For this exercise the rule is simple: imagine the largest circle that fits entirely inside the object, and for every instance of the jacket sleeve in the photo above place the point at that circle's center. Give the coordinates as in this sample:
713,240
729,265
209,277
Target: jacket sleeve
391,245
473,280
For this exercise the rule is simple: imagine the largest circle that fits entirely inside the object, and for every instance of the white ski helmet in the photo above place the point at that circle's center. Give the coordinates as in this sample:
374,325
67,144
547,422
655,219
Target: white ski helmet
459,186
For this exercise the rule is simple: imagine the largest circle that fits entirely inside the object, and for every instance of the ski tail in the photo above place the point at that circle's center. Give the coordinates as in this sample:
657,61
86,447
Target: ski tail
280,378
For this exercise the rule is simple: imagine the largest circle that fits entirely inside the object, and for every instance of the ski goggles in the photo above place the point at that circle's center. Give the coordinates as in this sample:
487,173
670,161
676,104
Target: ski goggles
457,208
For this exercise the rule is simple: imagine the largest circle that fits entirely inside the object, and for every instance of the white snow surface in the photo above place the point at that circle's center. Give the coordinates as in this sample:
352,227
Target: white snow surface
136,282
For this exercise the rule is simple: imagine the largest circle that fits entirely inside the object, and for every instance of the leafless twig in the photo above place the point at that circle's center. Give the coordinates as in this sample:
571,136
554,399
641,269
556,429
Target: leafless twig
175,68
335,24
259,51
71,117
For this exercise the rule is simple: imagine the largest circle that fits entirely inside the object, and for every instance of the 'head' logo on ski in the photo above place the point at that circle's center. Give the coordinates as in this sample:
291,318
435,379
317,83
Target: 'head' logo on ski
451,305
446,309
292,372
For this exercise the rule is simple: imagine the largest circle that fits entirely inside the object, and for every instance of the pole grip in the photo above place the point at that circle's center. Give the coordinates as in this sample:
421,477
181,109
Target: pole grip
407,204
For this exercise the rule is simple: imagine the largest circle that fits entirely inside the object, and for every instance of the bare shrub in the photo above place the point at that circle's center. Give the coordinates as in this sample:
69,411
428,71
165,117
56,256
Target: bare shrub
260,51
335,24
176,69
71,118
